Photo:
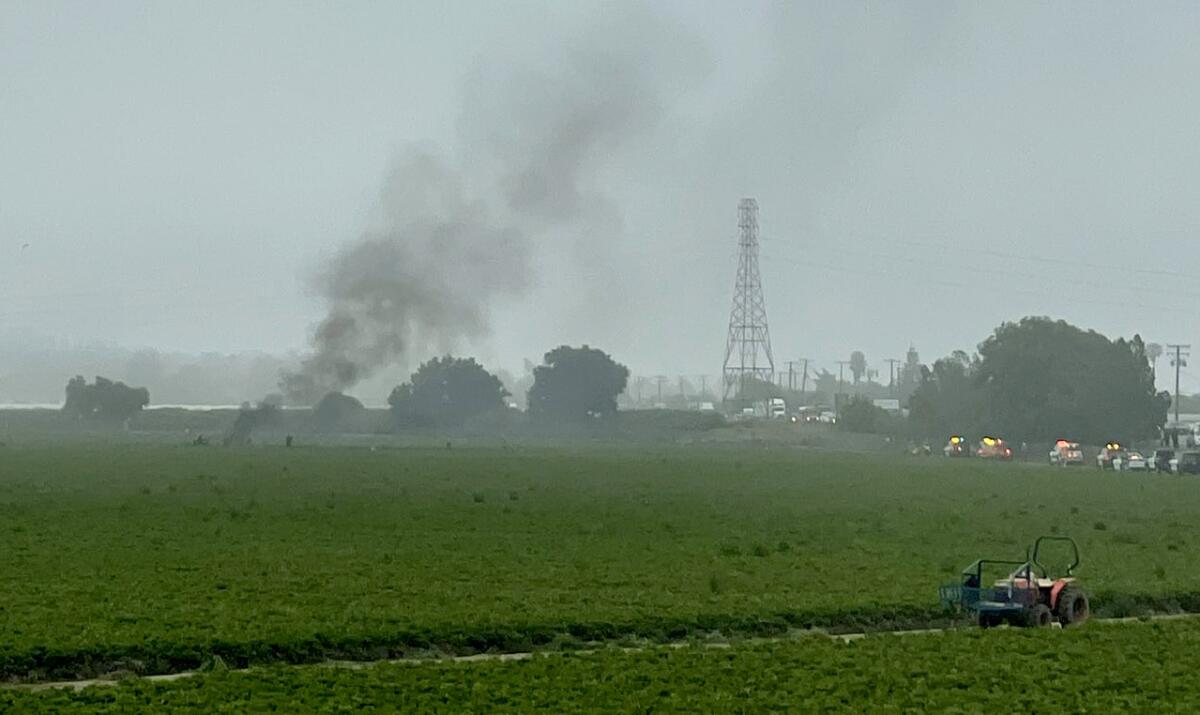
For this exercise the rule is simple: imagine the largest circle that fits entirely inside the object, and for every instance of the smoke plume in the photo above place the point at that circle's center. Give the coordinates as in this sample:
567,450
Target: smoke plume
456,238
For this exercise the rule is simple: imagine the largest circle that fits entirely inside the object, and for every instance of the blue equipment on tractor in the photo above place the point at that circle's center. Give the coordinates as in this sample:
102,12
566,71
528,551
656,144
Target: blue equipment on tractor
1028,596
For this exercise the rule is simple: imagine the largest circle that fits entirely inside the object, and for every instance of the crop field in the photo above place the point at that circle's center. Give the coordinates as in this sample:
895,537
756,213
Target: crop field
1101,668
150,559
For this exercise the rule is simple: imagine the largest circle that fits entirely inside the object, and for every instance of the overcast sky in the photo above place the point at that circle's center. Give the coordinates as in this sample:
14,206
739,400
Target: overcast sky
176,174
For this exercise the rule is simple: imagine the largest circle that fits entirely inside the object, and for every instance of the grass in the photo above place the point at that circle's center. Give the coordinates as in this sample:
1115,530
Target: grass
152,559
1099,668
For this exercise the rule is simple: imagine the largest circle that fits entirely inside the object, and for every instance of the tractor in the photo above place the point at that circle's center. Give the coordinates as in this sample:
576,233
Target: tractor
1029,596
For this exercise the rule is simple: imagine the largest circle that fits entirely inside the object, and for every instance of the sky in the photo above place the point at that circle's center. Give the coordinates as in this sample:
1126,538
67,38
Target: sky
189,176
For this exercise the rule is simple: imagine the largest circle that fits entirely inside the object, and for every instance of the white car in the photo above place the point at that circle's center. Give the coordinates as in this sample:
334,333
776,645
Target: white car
1130,462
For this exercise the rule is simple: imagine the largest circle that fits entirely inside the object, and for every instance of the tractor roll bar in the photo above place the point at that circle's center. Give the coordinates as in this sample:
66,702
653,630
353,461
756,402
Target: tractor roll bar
1038,545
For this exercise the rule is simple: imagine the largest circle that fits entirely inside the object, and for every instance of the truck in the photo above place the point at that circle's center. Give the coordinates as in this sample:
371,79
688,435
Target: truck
994,448
777,408
1066,453
1112,451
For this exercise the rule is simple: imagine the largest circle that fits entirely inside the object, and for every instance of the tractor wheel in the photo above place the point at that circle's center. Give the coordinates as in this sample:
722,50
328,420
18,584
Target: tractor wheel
1073,607
987,619
1038,616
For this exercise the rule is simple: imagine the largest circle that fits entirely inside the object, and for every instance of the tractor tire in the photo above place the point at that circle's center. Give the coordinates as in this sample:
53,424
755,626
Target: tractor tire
1073,607
986,619
1038,616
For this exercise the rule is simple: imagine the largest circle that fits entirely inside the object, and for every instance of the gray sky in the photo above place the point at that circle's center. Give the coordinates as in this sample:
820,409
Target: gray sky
181,171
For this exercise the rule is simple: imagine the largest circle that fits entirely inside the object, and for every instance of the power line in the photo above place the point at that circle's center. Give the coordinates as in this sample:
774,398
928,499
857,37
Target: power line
1004,272
973,287
881,238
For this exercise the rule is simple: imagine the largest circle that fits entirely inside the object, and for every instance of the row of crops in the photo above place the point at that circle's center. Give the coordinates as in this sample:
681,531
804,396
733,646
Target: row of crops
159,559
1138,667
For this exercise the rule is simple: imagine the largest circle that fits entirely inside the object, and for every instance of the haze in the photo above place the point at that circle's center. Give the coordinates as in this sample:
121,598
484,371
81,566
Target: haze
182,176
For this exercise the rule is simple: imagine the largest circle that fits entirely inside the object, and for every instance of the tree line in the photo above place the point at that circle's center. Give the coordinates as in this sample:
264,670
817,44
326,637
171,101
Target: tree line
1036,379
573,384
1039,379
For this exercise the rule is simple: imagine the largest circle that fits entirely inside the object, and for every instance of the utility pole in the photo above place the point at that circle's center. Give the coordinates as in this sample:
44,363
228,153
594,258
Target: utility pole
660,379
804,379
1179,360
703,385
892,363
837,399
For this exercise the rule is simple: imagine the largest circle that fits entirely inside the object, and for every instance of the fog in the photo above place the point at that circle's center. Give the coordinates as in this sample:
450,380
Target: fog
499,179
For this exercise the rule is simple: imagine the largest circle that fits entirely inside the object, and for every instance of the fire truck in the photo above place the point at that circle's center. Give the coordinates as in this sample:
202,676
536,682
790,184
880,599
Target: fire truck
993,448
1066,453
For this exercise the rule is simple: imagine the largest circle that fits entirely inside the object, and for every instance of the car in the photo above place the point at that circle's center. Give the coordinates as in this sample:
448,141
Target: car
1111,451
957,447
1130,462
1188,463
1160,461
1066,453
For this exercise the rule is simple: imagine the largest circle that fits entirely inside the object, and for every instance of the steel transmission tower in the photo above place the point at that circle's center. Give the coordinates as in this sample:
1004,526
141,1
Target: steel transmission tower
748,347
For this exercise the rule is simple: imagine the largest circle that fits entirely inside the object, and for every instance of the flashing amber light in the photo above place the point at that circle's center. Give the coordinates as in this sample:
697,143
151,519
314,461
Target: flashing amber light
989,441
956,440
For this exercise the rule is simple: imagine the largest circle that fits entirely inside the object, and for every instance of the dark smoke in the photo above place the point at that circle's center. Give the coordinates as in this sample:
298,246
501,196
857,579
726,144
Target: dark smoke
425,279
249,419
452,243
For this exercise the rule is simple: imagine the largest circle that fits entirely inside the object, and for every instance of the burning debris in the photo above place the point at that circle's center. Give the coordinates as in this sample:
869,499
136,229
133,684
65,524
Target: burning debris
250,419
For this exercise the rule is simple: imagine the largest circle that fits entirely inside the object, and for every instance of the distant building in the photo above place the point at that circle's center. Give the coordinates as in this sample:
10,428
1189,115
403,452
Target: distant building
889,405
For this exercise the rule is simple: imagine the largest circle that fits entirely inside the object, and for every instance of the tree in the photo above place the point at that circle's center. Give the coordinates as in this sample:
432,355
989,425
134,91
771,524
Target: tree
858,365
861,415
446,392
104,399
1039,379
1045,379
334,409
946,400
575,384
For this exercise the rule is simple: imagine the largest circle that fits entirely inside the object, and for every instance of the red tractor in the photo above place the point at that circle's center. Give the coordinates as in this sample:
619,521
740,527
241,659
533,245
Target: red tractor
1029,596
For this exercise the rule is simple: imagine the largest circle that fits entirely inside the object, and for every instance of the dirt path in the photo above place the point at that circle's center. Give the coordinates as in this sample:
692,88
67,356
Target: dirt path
481,657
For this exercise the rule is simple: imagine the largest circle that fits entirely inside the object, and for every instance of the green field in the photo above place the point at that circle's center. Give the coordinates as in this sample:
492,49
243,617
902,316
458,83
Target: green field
1099,668
154,559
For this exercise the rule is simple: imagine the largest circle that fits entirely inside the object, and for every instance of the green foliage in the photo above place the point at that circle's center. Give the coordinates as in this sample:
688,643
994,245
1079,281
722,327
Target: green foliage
1135,667
948,400
575,384
861,415
104,399
1041,380
268,554
446,392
